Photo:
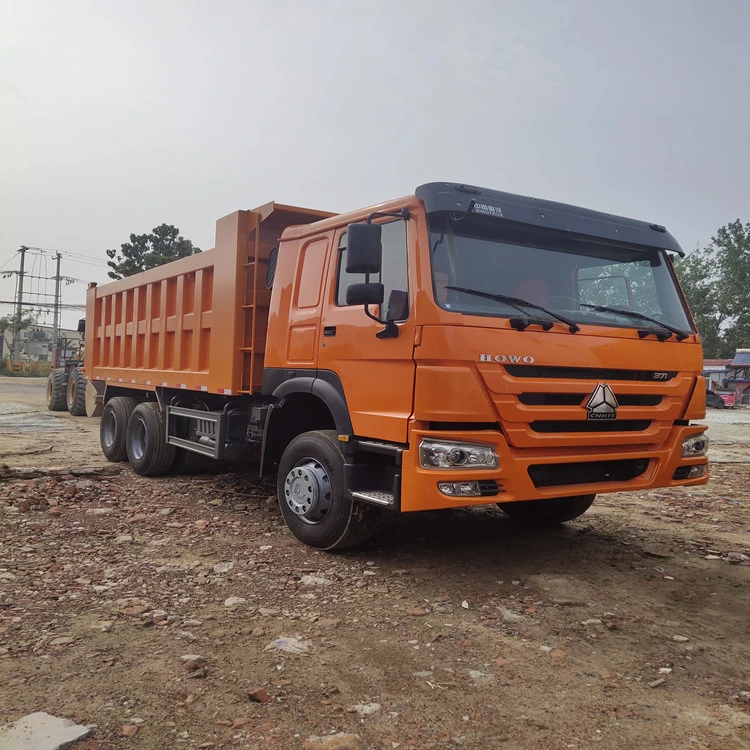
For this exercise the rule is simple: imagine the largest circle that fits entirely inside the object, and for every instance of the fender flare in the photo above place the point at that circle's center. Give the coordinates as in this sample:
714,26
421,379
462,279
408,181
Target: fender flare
327,388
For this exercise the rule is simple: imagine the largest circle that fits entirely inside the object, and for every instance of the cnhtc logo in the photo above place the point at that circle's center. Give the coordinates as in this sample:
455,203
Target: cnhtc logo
602,403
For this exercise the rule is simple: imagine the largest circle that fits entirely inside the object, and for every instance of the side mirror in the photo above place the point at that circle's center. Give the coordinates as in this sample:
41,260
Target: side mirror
365,294
82,325
364,249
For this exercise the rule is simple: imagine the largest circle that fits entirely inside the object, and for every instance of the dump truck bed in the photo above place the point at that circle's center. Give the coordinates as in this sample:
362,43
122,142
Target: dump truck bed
198,323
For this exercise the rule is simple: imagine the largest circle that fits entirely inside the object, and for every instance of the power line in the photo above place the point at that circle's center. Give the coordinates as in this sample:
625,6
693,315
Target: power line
9,260
42,304
77,257
67,279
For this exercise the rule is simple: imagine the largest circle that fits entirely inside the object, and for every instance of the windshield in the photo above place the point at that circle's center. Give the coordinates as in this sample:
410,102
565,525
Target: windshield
566,275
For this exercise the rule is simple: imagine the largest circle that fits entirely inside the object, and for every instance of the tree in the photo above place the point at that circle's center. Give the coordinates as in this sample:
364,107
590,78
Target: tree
10,326
716,282
145,251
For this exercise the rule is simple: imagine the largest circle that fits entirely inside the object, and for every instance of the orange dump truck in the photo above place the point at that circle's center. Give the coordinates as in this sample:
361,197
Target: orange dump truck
459,346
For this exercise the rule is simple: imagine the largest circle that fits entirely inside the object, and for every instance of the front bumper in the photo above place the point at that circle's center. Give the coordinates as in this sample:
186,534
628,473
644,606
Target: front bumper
540,473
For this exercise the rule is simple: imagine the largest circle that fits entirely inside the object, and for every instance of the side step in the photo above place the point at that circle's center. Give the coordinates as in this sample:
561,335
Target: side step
375,497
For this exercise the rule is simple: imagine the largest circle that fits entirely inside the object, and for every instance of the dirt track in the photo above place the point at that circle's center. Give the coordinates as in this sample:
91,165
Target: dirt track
466,631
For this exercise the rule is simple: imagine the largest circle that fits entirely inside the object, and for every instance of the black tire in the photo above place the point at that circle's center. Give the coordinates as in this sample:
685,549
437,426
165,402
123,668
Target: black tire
76,393
317,512
113,427
57,391
548,512
188,462
146,441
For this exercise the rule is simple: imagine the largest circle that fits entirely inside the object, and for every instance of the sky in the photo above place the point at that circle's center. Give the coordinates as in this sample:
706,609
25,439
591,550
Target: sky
118,117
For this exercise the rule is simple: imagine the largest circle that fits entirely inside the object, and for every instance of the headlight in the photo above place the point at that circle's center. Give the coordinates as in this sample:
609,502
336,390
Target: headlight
446,454
697,445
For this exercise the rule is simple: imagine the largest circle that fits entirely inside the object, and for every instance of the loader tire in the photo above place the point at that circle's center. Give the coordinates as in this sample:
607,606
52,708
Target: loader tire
57,390
77,393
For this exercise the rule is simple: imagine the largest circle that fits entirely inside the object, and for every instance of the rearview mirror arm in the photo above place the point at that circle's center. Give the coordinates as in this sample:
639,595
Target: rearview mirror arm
391,329
402,214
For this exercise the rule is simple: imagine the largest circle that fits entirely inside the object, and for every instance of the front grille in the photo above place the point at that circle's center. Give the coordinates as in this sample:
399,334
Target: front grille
589,472
576,399
598,425
587,373
463,426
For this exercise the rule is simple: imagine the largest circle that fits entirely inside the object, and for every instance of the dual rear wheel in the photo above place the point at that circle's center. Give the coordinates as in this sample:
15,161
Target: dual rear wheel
136,432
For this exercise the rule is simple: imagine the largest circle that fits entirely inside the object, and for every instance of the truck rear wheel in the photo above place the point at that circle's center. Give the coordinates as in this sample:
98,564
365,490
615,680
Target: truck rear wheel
113,427
57,390
77,393
312,495
548,512
146,440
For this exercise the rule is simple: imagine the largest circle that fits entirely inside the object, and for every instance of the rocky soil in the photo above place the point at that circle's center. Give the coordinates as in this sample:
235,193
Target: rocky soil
179,612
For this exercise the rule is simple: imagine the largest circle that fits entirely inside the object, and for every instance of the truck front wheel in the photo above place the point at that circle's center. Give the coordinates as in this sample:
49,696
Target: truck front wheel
146,439
114,425
548,512
312,495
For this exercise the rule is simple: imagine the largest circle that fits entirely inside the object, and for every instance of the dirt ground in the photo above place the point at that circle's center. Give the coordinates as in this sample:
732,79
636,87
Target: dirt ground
628,628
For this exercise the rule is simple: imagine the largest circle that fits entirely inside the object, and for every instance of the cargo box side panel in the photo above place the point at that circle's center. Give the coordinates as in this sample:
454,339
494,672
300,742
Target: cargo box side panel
199,323
154,329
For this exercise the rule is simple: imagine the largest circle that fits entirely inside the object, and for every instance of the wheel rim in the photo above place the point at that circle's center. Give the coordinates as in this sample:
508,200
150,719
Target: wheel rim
307,491
71,391
109,428
50,389
137,440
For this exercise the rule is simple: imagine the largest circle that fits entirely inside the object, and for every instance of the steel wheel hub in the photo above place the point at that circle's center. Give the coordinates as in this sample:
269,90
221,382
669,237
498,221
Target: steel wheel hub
138,440
307,491
109,428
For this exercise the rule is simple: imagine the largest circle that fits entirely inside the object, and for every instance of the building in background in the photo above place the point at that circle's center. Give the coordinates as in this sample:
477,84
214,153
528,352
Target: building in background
715,372
738,377
37,344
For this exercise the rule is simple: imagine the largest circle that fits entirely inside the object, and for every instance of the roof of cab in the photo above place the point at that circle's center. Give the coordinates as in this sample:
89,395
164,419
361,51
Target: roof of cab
468,199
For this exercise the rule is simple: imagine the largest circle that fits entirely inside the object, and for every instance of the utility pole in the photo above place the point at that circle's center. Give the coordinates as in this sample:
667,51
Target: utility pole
19,308
56,319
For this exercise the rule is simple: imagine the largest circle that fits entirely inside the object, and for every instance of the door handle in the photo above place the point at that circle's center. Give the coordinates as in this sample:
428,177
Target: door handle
329,331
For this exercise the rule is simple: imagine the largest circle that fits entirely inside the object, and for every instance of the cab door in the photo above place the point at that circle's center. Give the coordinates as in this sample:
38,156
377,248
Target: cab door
377,374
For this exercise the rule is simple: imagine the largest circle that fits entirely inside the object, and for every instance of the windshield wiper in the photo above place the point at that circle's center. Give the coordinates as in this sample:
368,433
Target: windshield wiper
518,303
681,335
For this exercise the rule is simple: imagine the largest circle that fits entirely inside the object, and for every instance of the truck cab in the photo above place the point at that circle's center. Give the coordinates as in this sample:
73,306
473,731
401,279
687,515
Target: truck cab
502,348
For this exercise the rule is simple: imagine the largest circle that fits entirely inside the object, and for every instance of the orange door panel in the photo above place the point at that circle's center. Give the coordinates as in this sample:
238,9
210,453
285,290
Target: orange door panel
377,373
